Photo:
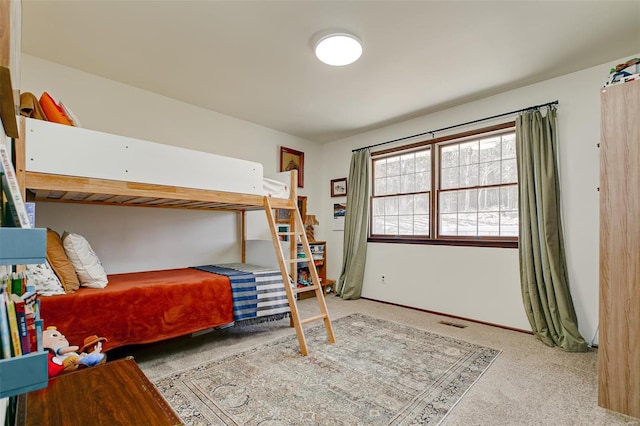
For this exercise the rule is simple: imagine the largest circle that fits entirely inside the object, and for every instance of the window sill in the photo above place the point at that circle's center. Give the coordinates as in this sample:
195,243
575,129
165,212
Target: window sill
447,242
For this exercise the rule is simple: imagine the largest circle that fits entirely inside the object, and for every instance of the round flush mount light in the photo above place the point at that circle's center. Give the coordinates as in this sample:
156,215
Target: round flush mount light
338,49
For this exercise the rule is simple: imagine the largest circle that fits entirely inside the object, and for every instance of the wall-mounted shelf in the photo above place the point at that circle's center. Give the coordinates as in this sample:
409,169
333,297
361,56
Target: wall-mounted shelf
22,246
23,374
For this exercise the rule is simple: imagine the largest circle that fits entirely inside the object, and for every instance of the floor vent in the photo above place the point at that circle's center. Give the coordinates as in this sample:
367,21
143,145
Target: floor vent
452,324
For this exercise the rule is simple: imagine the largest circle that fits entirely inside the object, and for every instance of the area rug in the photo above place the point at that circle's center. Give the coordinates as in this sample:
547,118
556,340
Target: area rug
377,373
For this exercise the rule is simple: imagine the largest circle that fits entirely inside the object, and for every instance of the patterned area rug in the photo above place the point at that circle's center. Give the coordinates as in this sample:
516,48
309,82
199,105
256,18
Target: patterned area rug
377,373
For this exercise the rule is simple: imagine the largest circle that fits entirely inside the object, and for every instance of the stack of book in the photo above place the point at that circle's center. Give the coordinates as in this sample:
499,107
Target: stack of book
17,211
20,322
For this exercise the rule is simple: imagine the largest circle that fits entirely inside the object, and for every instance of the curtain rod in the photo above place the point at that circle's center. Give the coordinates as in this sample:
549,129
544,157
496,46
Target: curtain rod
461,124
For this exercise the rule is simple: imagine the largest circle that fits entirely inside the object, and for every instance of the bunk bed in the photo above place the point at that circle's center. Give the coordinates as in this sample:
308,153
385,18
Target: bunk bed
57,163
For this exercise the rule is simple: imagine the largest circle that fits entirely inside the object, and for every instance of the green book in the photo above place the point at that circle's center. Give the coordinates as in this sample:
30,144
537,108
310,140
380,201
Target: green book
17,283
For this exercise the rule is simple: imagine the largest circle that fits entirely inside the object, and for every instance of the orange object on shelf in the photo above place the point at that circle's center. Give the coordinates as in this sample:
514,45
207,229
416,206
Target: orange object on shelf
53,111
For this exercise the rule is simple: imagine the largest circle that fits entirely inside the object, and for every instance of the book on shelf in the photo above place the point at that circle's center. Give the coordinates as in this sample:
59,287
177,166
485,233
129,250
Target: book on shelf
5,338
18,283
14,331
21,317
31,212
39,329
15,203
30,303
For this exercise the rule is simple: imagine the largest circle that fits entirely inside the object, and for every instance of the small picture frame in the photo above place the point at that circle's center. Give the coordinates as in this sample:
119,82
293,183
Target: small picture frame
339,187
283,216
291,159
302,205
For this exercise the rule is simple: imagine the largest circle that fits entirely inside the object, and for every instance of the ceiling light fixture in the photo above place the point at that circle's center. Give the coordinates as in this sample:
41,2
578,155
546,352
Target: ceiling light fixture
338,49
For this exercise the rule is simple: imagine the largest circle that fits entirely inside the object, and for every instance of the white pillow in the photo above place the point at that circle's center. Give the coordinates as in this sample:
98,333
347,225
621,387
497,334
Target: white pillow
44,279
84,261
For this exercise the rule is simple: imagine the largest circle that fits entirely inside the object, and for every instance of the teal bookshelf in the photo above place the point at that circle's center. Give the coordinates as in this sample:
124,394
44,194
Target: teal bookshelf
22,246
26,373
23,374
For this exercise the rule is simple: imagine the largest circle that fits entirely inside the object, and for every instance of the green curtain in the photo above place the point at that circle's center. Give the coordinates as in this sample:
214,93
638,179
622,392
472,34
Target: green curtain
543,272
355,227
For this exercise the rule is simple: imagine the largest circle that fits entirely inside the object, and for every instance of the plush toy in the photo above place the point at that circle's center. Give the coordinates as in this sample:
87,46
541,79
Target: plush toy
62,356
93,345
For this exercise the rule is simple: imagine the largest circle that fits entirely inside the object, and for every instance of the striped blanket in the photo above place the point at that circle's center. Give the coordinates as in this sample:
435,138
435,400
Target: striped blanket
258,293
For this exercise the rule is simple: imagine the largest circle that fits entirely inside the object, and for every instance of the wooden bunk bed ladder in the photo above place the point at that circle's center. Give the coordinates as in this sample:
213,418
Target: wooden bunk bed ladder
298,235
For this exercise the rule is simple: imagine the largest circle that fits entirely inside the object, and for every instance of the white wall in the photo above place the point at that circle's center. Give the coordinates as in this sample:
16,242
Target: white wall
478,283
131,239
483,283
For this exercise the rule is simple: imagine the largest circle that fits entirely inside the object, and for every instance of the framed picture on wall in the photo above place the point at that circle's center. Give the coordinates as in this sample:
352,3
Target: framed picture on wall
282,216
302,206
339,212
339,187
290,159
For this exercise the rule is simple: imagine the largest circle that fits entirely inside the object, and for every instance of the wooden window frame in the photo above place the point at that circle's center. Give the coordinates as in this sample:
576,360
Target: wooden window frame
434,237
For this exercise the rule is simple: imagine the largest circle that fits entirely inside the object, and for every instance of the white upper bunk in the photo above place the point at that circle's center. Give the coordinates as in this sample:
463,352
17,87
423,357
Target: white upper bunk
65,150
64,163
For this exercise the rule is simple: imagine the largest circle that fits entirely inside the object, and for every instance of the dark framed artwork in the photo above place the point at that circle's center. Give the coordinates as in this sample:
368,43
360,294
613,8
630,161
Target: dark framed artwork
302,206
283,216
339,187
290,159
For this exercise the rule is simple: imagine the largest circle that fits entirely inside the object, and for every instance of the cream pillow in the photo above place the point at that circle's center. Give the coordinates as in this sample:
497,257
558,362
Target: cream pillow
44,279
84,260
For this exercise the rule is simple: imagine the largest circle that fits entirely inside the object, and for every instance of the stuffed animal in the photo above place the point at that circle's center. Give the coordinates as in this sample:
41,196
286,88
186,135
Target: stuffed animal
93,345
62,356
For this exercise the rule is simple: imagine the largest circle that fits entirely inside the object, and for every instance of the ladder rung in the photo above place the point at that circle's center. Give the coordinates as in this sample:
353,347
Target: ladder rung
313,318
304,289
298,260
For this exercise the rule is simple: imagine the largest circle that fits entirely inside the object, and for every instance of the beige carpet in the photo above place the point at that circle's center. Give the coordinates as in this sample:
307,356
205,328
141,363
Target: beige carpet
528,384
377,373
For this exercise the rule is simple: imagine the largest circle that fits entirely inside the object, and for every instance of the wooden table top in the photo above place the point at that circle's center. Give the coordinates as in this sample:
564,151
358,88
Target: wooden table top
115,393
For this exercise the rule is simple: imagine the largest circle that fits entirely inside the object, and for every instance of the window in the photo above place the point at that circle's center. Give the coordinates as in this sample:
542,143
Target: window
402,192
461,189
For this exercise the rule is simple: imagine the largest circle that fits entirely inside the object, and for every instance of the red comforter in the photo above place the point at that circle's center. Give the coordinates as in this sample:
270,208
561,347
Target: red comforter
142,307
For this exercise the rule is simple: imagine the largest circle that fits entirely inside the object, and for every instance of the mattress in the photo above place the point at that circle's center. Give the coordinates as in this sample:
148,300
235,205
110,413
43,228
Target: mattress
142,307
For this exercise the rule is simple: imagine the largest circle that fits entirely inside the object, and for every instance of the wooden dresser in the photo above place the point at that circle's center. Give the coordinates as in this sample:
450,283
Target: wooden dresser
115,393
619,343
